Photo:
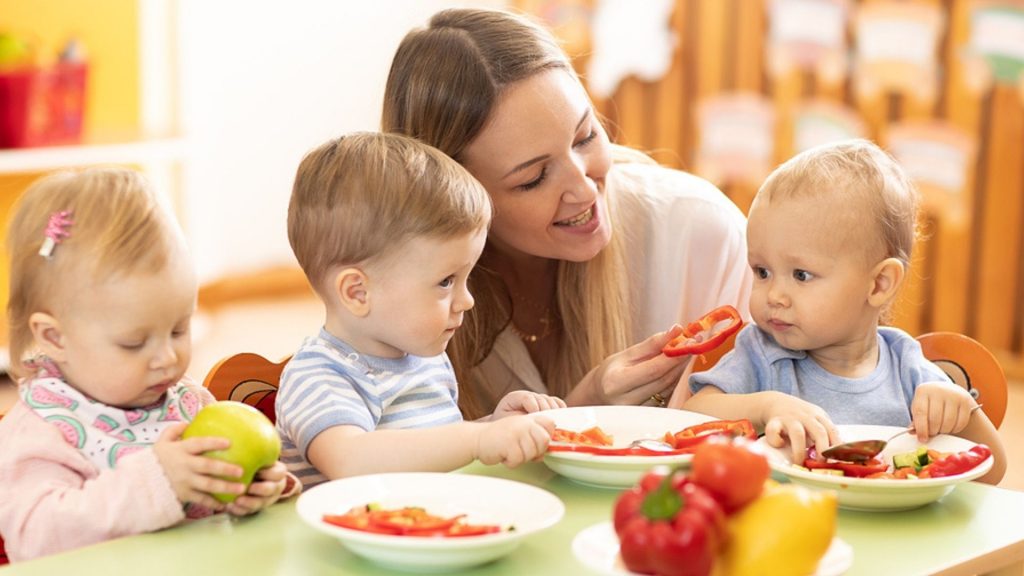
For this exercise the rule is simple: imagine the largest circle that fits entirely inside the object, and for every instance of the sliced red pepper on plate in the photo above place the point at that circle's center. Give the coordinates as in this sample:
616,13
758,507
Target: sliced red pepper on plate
957,463
705,334
408,521
867,468
698,433
684,441
592,436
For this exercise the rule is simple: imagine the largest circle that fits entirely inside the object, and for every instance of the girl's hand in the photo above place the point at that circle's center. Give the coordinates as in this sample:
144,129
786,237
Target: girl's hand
193,477
514,440
265,489
525,402
940,408
799,421
633,375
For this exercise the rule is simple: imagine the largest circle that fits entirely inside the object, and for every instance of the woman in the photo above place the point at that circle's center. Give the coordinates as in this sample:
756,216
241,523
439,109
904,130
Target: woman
592,248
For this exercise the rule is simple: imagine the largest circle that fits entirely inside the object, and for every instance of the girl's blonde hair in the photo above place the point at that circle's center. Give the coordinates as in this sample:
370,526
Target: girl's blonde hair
365,194
444,83
117,226
856,173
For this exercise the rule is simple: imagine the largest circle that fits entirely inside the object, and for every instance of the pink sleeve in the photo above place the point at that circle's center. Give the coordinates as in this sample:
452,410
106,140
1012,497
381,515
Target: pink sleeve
53,499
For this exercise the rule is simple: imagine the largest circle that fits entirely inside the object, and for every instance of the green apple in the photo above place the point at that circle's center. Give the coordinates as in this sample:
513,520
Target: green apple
13,51
254,441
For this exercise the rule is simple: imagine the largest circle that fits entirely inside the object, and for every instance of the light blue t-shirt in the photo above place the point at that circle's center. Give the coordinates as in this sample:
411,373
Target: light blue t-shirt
327,384
758,364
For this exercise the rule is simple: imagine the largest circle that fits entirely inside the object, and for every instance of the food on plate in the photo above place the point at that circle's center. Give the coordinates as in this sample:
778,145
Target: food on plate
918,464
705,334
785,531
409,521
254,441
685,441
725,517
593,436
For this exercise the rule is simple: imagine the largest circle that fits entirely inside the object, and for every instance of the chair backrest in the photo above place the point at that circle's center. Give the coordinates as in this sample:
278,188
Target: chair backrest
248,378
972,366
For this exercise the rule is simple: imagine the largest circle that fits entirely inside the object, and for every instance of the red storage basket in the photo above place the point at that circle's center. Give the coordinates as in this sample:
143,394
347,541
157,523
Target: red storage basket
42,106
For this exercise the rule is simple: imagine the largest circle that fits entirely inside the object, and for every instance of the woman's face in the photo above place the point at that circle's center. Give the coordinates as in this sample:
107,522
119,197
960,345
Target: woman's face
543,158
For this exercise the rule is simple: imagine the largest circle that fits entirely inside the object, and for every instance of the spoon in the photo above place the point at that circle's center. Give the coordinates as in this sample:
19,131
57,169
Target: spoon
651,444
860,450
864,450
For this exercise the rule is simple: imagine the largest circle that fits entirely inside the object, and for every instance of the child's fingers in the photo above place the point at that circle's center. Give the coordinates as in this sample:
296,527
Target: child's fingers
172,432
204,466
201,444
275,473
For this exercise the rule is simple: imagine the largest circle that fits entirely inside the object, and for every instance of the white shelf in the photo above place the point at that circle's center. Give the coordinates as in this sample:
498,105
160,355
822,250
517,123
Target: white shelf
145,151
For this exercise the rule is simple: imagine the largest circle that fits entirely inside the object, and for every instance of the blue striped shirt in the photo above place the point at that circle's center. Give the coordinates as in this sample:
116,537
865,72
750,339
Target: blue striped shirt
327,384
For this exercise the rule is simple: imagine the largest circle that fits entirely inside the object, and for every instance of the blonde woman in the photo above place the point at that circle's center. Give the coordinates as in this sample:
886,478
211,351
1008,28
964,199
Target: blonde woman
593,248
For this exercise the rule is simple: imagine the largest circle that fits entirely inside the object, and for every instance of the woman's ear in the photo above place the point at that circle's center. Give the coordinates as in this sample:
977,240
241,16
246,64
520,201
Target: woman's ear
351,286
886,280
48,335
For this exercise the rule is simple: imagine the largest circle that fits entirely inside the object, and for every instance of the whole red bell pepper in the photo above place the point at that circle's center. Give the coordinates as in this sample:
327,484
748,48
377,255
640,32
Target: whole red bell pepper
668,525
706,333
957,463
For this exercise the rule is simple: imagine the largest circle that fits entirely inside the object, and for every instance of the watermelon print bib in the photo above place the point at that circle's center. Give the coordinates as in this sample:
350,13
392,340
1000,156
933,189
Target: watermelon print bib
104,434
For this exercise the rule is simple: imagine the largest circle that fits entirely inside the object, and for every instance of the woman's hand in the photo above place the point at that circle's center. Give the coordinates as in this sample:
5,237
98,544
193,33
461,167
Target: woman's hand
633,375
193,477
265,489
525,402
940,408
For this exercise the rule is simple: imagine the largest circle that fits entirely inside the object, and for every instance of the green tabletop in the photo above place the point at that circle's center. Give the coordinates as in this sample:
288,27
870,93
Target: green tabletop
975,529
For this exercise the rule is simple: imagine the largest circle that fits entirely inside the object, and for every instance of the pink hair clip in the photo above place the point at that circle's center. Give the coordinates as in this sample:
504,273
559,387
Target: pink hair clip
56,232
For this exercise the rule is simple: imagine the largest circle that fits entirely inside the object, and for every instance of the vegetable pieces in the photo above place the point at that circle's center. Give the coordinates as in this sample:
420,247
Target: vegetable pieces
596,441
919,464
705,334
408,521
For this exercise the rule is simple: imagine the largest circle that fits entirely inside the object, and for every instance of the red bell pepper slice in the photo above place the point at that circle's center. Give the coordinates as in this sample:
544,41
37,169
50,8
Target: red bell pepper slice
408,521
957,463
867,468
700,336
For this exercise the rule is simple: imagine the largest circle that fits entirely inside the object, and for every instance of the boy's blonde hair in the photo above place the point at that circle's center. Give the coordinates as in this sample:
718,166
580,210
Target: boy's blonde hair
362,195
860,174
117,227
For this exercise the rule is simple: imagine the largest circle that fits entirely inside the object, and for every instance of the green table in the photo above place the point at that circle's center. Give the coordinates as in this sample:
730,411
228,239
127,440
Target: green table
975,529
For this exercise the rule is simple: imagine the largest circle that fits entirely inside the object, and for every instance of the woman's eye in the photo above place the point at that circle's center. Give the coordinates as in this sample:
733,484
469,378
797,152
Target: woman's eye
587,140
802,275
536,181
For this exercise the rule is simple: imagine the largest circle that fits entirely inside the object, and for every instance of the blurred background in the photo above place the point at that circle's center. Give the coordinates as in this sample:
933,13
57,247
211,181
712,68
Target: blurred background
218,101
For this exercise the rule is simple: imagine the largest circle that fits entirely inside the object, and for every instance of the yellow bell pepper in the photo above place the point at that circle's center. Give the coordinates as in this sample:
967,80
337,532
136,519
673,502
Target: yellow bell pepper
785,532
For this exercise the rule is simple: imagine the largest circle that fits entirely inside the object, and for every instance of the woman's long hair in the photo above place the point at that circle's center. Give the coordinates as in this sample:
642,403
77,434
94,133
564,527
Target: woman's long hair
444,83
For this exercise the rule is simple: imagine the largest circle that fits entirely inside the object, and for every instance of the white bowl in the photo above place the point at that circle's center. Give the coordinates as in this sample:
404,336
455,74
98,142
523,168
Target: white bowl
625,424
880,494
484,500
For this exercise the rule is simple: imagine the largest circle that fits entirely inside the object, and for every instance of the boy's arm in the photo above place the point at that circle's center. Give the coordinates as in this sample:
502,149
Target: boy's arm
343,451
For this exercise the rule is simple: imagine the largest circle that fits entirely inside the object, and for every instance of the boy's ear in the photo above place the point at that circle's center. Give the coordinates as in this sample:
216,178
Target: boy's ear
351,285
886,280
48,336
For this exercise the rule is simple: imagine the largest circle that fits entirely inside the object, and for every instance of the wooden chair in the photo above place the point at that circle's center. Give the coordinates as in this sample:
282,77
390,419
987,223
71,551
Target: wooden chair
972,366
248,378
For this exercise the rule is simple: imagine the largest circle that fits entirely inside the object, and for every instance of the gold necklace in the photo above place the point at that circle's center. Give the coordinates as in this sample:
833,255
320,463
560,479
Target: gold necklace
528,338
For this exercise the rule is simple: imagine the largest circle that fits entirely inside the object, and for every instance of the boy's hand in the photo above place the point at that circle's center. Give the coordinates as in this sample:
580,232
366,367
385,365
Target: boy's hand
799,421
525,402
265,489
193,477
940,408
514,440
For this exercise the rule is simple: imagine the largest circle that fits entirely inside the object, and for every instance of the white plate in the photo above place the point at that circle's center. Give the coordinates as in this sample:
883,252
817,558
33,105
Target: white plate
597,547
484,500
880,494
624,424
